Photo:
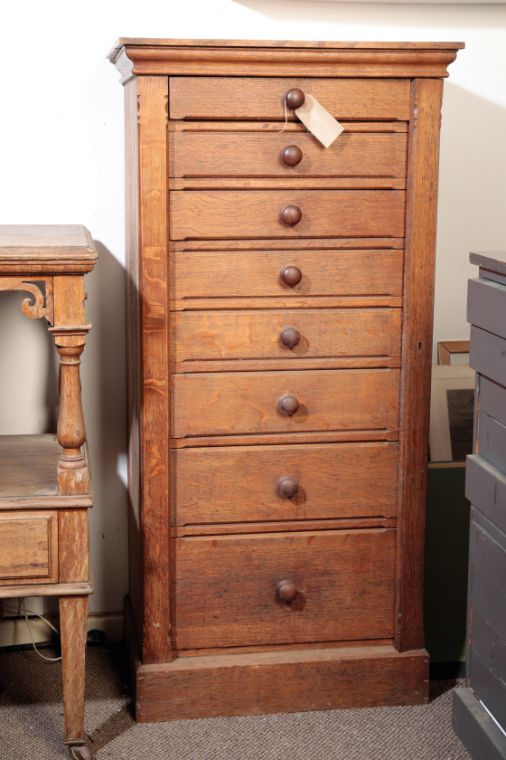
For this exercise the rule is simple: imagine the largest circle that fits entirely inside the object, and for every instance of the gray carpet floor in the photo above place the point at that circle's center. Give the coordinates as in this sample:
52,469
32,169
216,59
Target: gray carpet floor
31,723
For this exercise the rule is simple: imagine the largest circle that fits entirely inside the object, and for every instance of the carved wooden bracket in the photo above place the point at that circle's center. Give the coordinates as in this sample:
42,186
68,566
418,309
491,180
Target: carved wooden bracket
41,304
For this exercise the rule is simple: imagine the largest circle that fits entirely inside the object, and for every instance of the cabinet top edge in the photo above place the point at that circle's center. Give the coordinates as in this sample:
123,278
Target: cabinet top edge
44,246
282,44
151,57
494,261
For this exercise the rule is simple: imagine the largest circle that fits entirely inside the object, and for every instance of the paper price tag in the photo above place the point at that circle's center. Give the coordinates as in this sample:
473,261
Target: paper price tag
319,121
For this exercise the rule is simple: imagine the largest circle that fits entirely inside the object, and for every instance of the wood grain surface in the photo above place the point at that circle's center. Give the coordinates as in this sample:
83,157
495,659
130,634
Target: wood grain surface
238,577
232,153
246,402
28,547
263,97
417,356
212,337
255,214
235,484
198,274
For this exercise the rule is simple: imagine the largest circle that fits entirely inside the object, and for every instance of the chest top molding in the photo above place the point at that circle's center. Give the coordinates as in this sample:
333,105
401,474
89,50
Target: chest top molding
143,56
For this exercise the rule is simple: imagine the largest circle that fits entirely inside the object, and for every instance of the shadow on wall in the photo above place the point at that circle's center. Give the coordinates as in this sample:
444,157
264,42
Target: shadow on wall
471,203
28,371
29,403
362,13
104,392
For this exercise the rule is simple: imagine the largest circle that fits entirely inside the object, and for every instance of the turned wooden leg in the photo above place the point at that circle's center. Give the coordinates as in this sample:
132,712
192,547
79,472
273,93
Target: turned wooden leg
73,631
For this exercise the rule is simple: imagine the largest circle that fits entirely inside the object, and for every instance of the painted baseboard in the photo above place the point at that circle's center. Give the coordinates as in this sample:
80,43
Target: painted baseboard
14,631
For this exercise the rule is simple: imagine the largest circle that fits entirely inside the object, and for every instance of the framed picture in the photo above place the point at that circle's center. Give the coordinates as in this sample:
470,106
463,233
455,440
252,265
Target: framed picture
454,352
451,413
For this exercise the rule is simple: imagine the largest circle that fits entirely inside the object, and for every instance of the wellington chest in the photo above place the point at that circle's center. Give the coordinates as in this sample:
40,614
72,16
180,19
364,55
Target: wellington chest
479,711
280,325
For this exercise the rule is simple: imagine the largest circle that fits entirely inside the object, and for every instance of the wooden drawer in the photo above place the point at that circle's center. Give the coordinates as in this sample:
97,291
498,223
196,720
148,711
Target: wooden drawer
28,547
231,403
196,214
240,483
248,274
202,339
263,97
344,580
224,150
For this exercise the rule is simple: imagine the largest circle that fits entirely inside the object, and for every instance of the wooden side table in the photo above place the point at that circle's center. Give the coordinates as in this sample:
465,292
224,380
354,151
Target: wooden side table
44,479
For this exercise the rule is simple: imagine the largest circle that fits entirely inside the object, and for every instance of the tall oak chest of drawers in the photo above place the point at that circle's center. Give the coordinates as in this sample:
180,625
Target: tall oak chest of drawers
280,320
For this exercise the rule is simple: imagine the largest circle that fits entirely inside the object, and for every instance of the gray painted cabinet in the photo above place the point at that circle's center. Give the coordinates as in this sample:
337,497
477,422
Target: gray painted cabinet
483,731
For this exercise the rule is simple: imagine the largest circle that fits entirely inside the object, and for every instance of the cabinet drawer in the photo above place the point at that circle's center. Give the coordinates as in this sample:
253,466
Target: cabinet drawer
344,583
242,274
488,354
243,483
196,214
493,441
28,547
264,97
210,151
231,403
487,562
486,490
486,306
325,334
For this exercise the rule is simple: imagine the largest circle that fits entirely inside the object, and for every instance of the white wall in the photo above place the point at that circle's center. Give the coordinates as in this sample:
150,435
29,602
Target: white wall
61,161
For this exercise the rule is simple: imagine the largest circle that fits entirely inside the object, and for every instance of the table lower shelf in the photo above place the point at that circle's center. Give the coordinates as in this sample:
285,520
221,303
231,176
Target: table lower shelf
29,474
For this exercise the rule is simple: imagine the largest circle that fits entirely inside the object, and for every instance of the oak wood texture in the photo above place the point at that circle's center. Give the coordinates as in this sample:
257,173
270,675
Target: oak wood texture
421,200
230,403
150,350
249,213
289,681
263,97
266,401
258,153
236,484
211,339
196,275
44,480
45,249
329,574
28,466
73,631
28,547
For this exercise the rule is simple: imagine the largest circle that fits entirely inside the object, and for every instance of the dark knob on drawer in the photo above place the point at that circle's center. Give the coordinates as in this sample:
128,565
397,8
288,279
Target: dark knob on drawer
291,215
291,155
287,487
286,591
291,276
288,405
294,98
289,337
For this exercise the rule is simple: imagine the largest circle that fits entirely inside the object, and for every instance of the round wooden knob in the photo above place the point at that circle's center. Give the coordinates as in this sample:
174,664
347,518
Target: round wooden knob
286,591
289,337
288,405
287,487
291,215
291,276
294,98
291,155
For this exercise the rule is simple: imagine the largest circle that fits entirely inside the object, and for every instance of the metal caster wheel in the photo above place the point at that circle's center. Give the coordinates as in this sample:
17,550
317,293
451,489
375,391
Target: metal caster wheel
82,752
